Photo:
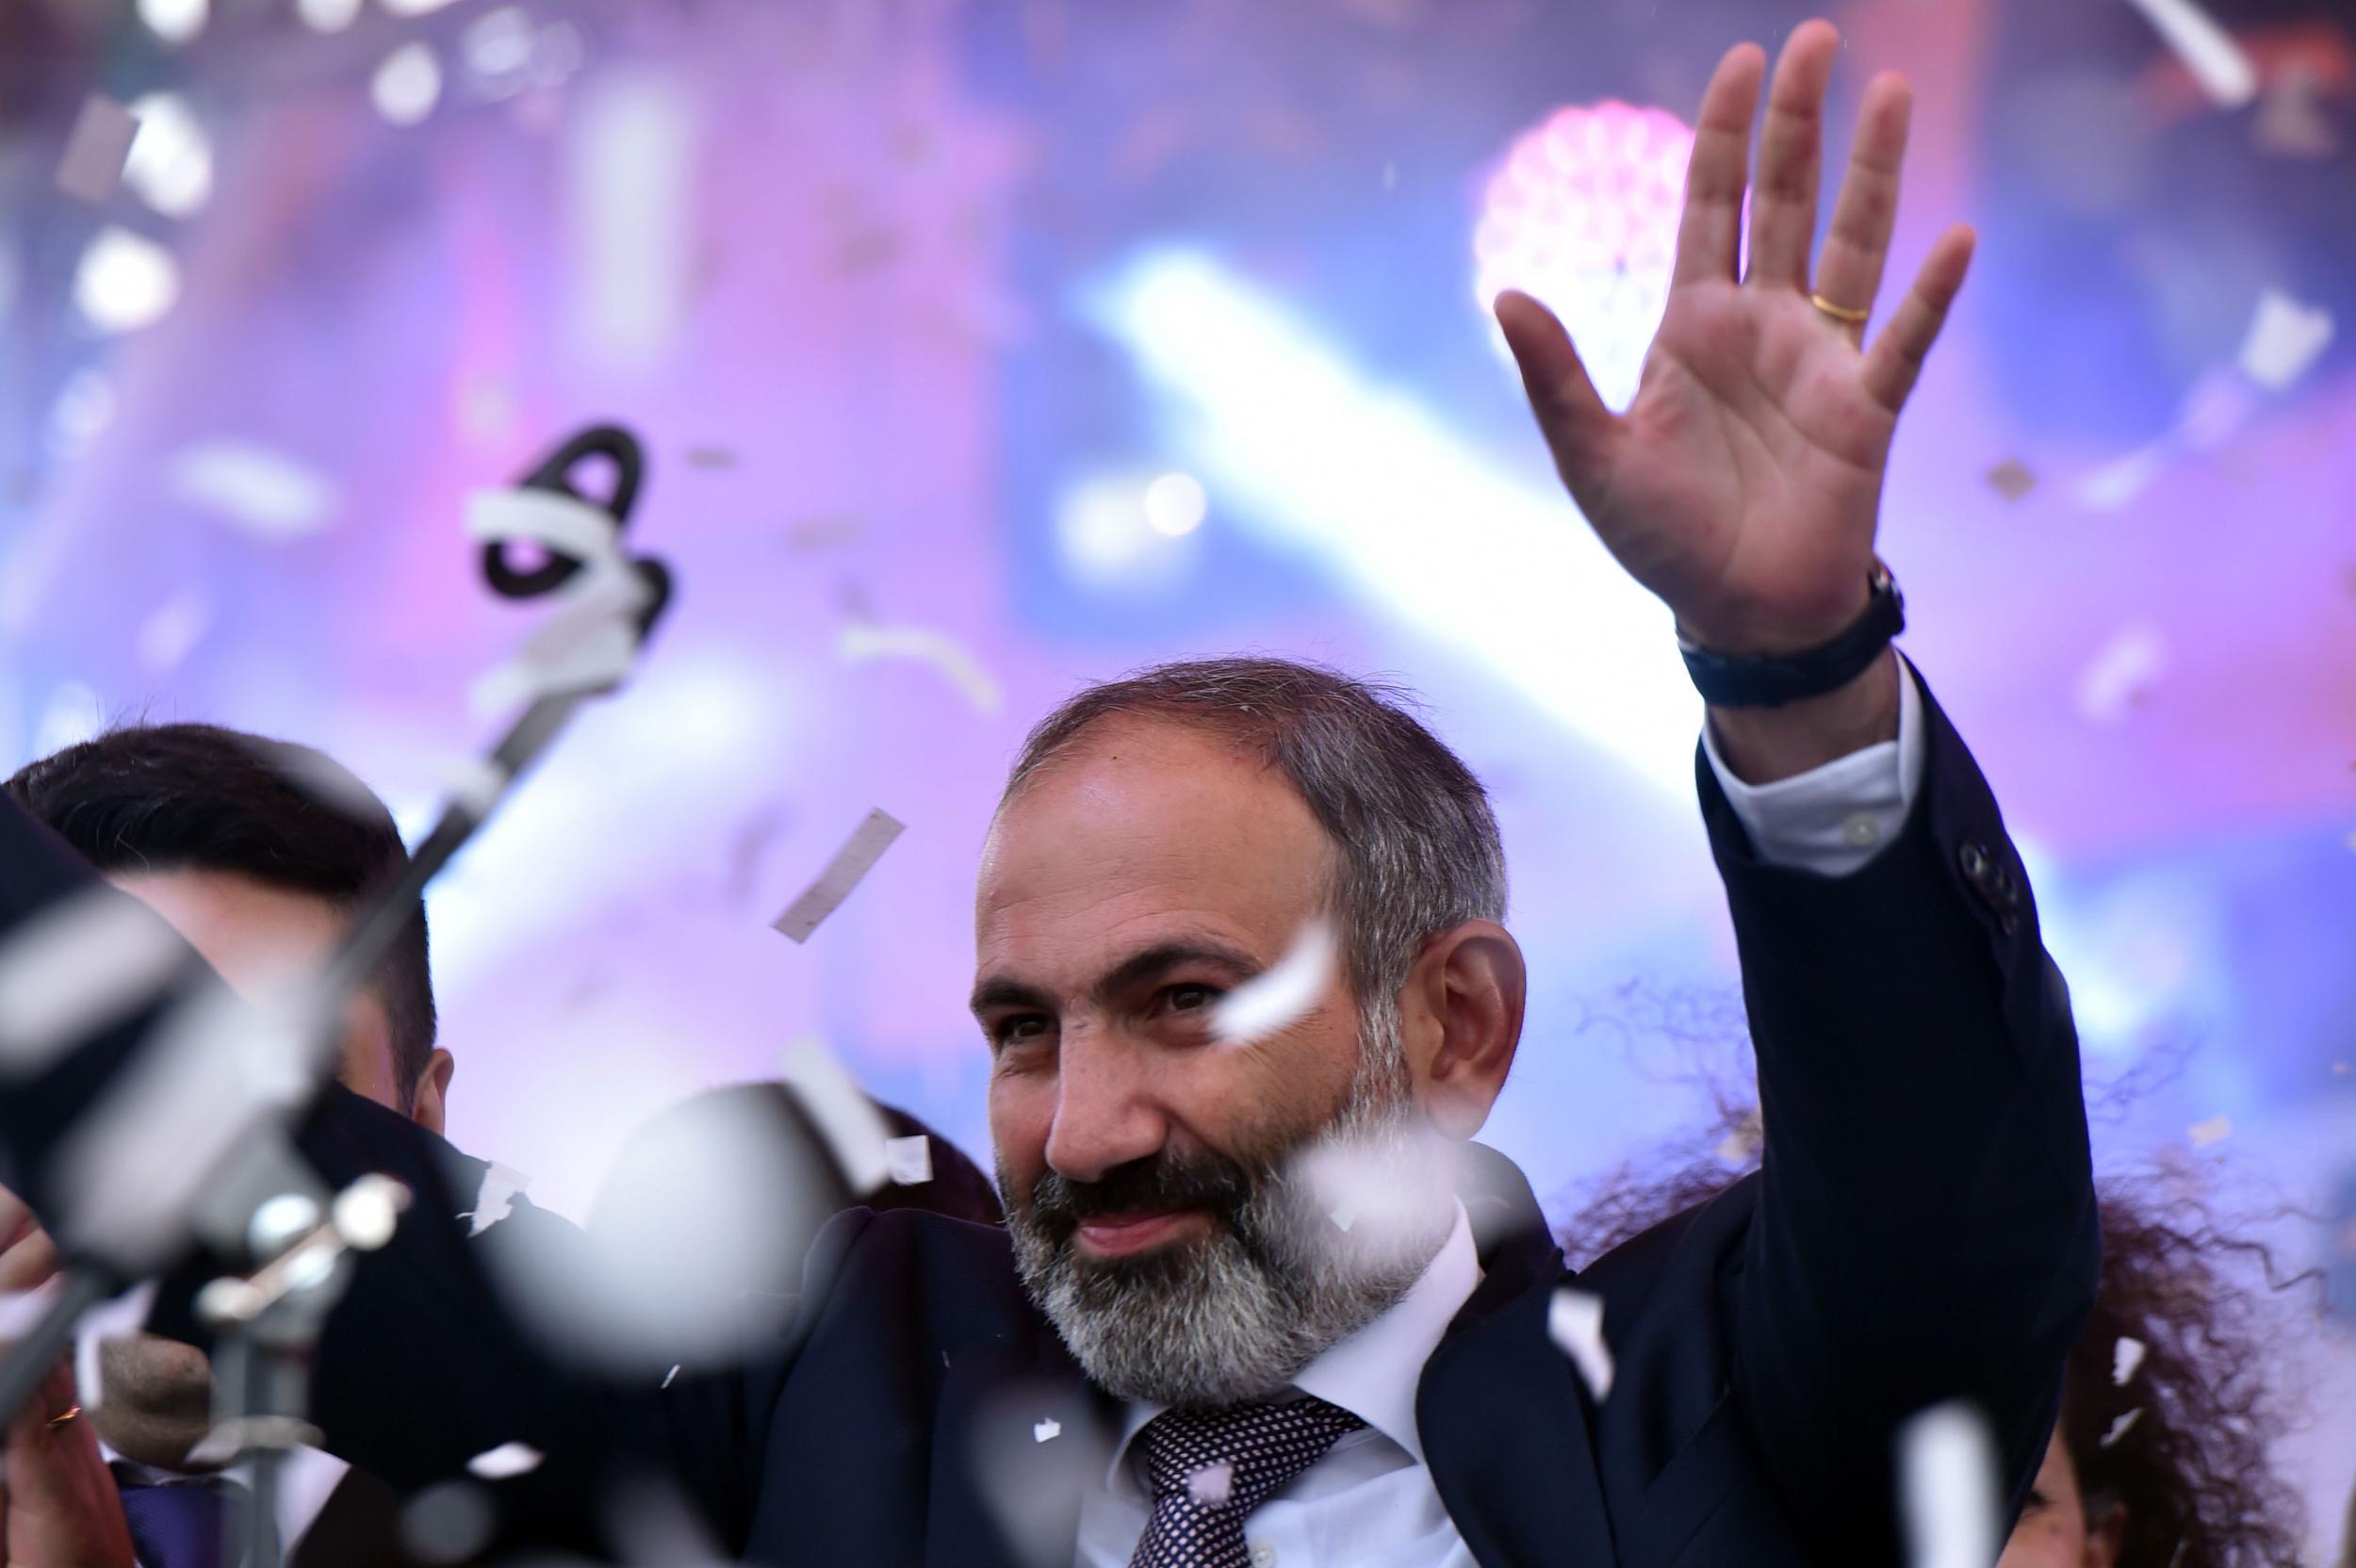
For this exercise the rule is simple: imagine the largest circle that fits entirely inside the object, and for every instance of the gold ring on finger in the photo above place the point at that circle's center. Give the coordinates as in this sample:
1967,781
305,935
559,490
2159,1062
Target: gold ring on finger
58,1423
1846,314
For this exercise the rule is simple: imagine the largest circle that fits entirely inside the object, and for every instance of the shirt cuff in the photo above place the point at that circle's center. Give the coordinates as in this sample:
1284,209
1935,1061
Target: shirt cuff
1834,819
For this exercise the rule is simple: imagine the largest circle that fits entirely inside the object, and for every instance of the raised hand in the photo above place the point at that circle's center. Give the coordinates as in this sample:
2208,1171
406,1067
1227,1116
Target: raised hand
1744,483
59,1498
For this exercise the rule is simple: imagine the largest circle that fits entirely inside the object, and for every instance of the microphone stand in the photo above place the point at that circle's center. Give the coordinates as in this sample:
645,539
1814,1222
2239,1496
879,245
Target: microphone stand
266,1203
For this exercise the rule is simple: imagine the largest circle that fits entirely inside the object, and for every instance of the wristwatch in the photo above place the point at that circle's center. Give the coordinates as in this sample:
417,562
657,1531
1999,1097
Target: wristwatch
1760,680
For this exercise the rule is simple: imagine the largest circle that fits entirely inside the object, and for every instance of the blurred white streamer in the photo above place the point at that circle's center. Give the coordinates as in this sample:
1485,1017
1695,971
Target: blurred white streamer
125,280
263,492
508,1459
854,1131
911,1160
1283,994
1947,1489
2225,72
172,629
1382,1197
588,643
407,84
78,967
860,642
630,178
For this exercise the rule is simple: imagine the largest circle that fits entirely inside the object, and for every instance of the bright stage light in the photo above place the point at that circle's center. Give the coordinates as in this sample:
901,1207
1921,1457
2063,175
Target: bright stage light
1112,536
171,166
174,20
407,84
1583,215
125,280
1305,451
328,16
1175,504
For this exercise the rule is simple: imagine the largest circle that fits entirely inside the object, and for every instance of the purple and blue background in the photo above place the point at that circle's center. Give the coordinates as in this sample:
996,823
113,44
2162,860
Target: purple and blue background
909,299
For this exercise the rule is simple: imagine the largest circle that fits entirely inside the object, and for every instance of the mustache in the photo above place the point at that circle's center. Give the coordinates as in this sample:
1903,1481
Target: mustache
1159,1180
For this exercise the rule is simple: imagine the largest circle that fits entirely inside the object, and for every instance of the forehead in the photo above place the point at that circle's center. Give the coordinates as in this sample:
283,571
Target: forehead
253,934
1146,831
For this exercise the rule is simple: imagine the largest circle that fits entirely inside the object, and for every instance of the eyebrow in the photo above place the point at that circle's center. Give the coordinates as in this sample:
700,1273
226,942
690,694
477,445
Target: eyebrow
1005,992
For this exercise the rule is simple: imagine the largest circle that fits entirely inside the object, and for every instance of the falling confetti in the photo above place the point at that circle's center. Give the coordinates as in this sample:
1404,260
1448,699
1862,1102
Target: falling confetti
669,1378
508,1459
1211,1486
2285,341
1575,1321
2121,673
1280,996
587,644
851,863
97,150
854,1131
2224,72
172,633
2119,1426
2011,479
449,1522
1947,1489
909,1159
2215,1130
2125,1357
1045,1430
860,642
495,1200
264,493
2290,122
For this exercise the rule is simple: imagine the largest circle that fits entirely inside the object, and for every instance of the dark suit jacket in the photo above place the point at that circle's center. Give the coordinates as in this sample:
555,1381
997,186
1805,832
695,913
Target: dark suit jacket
1924,1228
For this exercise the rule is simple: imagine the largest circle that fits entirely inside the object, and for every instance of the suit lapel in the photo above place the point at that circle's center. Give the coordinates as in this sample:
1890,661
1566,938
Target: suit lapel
1503,1415
1018,1439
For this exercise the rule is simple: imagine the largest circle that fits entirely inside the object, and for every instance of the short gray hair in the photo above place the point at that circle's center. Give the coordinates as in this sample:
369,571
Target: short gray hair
1416,844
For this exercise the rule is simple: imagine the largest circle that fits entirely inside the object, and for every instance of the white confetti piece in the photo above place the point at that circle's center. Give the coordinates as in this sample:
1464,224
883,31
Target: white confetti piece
1947,1489
860,642
563,524
2291,122
76,969
2286,339
2121,673
669,1378
177,625
1575,1321
910,1160
2215,1130
495,1200
1212,1485
508,1459
1046,1428
264,493
367,1212
1280,996
851,863
854,1131
97,150
1345,1217
2118,1428
2113,485
2125,1357
2225,72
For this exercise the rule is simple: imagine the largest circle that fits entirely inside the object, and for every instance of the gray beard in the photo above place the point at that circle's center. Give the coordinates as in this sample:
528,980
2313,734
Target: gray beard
1325,1243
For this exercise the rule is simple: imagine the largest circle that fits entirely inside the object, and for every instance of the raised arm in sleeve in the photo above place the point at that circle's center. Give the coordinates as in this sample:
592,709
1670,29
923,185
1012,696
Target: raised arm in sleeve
1926,1227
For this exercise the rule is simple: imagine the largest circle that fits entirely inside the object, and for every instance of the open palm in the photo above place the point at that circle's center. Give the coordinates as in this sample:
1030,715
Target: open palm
1743,484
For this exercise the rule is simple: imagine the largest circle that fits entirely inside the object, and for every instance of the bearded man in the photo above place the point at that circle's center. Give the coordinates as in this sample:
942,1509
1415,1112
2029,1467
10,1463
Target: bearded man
1260,1301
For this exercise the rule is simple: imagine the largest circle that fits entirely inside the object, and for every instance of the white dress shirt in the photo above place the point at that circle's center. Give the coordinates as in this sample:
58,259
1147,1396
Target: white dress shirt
1370,1502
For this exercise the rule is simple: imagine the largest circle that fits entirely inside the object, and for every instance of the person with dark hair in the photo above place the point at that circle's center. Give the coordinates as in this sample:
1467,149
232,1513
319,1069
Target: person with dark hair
2161,1455
257,851
1243,976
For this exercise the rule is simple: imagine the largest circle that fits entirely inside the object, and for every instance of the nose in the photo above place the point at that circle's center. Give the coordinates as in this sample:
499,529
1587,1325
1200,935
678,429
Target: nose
1105,1115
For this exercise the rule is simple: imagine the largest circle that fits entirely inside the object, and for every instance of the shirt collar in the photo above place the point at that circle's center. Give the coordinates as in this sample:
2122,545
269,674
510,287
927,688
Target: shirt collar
1374,1373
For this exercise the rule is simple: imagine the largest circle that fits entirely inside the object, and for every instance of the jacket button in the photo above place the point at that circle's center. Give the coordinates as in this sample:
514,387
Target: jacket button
1974,862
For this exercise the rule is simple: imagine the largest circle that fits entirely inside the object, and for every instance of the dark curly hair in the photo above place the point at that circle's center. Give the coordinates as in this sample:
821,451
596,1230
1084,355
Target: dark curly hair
2190,1465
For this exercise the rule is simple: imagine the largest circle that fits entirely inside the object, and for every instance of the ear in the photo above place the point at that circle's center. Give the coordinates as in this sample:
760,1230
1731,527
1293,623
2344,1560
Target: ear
2103,1541
425,1101
1461,1018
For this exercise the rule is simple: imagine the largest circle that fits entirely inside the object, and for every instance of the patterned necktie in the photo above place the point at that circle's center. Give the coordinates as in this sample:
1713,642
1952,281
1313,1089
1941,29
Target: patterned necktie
1211,1468
185,1525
